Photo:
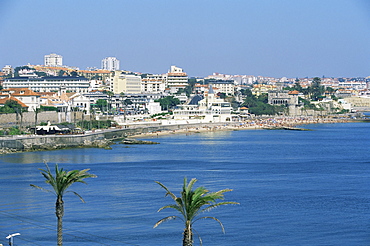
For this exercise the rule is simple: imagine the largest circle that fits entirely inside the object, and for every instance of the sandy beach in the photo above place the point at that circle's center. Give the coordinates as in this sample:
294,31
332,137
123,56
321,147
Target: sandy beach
252,124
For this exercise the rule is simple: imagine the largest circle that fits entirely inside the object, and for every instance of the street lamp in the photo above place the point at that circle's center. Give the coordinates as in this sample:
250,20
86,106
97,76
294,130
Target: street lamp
10,237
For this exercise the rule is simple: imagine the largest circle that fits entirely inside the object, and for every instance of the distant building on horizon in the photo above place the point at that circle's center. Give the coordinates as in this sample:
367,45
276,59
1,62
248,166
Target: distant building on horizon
110,63
53,60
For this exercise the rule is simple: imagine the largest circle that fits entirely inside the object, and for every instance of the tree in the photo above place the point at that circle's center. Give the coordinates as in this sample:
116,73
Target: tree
259,105
168,102
316,89
101,104
74,74
110,95
191,204
61,73
126,102
36,111
60,182
12,106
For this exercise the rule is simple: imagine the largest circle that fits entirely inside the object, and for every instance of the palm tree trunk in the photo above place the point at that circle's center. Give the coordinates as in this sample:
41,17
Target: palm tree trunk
188,235
59,211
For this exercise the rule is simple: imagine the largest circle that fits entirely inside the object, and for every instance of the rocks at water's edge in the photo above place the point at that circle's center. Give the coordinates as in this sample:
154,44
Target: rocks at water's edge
54,146
134,141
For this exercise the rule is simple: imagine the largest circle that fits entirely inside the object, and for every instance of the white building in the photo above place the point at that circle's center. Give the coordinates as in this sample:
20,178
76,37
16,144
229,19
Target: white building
153,83
49,84
25,95
7,69
176,78
110,63
53,60
153,107
209,109
126,83
223,86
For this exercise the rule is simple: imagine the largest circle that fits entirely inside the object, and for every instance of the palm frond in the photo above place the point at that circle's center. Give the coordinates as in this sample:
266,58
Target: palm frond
208,217
200,239
174,206
62,179
78,195
168,191
165,219
40,188
209,208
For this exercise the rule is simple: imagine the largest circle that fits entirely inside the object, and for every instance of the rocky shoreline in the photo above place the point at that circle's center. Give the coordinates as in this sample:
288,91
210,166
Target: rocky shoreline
106,144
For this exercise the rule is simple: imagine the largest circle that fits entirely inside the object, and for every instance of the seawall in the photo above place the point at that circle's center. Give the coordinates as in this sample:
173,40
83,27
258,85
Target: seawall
98,138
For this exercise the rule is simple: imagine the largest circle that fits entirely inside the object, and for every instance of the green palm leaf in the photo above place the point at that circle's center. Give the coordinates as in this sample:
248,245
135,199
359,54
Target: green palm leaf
60,182
190,204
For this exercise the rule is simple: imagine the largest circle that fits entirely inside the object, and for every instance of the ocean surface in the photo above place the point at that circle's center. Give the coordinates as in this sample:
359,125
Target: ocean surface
294,188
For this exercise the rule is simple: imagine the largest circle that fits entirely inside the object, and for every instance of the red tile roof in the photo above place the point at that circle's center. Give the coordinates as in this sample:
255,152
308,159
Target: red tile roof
4,100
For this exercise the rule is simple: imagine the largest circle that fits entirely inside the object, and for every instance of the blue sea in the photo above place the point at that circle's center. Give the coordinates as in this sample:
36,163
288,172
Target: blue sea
294,188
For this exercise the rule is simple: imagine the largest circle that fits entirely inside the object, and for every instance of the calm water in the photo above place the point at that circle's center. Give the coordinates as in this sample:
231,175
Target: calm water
294,188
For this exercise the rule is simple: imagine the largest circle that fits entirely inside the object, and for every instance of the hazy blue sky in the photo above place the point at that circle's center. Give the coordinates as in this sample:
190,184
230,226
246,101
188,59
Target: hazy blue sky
292,38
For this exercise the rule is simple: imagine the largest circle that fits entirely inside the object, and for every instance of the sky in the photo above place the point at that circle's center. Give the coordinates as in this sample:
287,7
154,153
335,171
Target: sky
274,38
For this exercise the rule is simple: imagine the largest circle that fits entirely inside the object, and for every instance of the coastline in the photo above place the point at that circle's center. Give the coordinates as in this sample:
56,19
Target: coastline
105,138
253,124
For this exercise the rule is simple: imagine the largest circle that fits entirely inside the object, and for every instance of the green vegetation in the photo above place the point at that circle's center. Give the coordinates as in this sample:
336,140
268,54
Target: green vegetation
259,105
168,102
101,104
160,115
189,88
60,182
94,124
191,204
315,91
17,69
11,106
12,131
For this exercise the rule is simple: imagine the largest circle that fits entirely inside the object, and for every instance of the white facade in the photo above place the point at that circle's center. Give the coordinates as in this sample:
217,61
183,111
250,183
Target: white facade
81,102
7,69
176,78
227,87
53,60
49,84
154,107
25,95
153,83
110,63
358,85
210,109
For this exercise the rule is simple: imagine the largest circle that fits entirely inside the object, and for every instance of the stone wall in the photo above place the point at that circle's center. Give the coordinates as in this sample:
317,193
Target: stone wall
8,120
358,101
95,139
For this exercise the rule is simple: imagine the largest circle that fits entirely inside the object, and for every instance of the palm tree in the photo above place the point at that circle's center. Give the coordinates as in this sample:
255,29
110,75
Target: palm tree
36,111
60,183
191,204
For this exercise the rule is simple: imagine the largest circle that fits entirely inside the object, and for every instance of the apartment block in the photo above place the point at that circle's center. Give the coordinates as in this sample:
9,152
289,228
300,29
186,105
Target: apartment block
53,60
110,64
126,83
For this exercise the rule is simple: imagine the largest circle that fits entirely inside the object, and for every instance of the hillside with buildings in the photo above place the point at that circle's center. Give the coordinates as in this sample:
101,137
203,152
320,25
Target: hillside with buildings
110,93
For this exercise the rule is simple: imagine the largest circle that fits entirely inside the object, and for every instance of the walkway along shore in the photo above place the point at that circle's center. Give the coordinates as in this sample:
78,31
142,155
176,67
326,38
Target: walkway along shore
105,138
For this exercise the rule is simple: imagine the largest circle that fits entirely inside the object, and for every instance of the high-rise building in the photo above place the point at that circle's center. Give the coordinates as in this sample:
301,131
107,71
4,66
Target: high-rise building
176,78
110,63
53,60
